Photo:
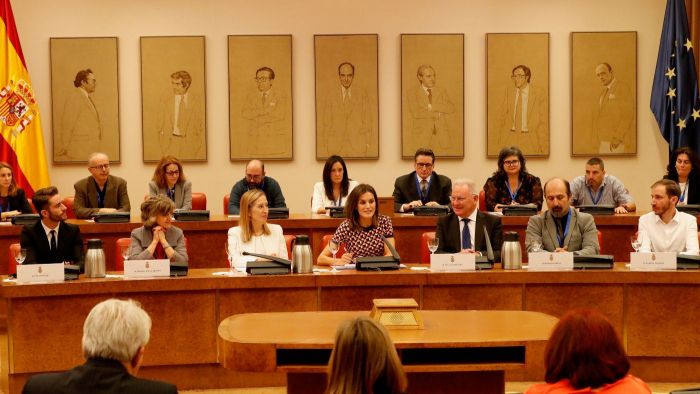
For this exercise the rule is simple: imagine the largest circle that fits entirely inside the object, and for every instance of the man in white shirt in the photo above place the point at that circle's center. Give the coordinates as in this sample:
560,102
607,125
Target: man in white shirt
666,229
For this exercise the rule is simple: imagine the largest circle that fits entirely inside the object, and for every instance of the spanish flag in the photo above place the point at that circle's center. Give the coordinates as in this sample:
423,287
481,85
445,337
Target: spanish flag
22,142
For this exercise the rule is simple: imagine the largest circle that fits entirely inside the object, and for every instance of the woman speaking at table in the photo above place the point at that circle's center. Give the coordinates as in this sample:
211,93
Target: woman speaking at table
364,230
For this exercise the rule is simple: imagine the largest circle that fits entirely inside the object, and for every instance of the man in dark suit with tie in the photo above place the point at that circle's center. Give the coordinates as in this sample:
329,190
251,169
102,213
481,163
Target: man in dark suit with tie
464,229
115,334
51,239
423,186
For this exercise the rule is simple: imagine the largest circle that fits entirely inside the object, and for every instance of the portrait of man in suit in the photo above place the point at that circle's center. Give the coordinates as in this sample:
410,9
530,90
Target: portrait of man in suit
265,111
613,114
80,128
430,107
181,120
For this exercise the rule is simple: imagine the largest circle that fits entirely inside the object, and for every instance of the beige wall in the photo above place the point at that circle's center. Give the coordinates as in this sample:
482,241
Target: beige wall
38,20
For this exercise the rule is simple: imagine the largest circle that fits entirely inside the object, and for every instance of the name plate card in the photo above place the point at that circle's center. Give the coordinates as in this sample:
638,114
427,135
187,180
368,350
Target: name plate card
146,268
40,273
550,261
457,262
654,261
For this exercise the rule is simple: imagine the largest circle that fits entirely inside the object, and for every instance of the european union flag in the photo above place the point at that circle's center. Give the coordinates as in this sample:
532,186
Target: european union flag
674,95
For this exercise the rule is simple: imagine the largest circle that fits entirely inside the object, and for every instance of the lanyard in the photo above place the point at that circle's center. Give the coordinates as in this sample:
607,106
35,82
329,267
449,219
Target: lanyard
171,193
598,196
685,189
510,192
423,198
101,196
566,230
339,202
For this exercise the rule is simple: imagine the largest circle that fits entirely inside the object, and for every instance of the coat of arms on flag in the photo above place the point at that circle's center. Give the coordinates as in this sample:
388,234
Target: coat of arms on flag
17,105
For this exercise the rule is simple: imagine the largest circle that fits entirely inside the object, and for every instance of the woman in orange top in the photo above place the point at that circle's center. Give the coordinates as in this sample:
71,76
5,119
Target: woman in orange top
585,355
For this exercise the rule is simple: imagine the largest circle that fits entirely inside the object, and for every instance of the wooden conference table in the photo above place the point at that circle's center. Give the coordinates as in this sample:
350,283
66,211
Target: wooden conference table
456,349
206,239
655,312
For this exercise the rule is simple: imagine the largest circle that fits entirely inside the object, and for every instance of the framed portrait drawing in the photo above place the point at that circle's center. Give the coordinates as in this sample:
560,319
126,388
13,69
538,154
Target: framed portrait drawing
603,93
432,94
84,98
260,97
517,89
347,96
173,98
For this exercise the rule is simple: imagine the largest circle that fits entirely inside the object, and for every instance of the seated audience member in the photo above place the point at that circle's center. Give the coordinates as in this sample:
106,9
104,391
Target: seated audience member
255,179
684,168
423,186
253,233
667,229
100,192
598,188
512,184
562,228
584,355
363,229
364,360
155,239
115,335
334,189
462,231
13,201
51,240
169,180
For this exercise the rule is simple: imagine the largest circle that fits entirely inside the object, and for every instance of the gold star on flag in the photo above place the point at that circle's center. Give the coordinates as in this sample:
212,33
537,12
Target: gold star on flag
688,45
695,114
671,92
681,124
671,73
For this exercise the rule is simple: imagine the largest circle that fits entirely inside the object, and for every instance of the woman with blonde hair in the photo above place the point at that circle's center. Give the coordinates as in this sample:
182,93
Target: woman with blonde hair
253,233
155,239
169,180
364,361
13,201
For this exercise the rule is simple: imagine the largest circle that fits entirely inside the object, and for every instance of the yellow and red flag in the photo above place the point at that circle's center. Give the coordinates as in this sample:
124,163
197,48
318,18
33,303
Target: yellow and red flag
22,142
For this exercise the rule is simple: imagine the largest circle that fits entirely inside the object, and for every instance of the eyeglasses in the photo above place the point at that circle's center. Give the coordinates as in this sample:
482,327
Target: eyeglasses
458,199
176,172
262,79
511,163
100,167
517,76
424,165
253,177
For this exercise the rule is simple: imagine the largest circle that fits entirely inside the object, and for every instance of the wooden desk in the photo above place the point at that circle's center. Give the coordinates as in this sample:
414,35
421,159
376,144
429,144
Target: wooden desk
653,311
456,349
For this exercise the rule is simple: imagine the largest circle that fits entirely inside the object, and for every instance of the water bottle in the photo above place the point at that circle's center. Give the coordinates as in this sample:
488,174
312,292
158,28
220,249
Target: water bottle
95,259
302,257
511,253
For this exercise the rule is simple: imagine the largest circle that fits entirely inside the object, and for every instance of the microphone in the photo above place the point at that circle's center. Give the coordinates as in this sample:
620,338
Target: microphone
393,251
276,259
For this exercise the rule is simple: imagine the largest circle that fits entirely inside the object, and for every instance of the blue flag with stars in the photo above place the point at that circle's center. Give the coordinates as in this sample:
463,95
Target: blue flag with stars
674,95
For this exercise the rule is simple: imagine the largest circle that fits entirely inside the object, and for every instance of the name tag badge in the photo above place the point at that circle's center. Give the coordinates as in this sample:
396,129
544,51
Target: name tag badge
40,273
146,268
654,261
549,261
457,262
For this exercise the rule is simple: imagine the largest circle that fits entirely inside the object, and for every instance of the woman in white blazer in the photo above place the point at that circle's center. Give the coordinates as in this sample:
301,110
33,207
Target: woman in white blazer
334,189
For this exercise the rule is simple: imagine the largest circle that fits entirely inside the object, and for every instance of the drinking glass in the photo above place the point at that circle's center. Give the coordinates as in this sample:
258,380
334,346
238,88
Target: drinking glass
333,248
636,242
433,244
20,255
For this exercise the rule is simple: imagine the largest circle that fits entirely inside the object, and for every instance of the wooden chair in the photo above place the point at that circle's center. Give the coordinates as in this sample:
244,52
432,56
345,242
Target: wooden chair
326,239
68,202
226,198
482,201
424,252
119,260
11,262
288,239
199,201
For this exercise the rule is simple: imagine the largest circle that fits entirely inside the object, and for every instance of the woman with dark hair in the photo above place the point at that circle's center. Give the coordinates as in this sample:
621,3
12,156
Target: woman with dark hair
684,168
364,360
158,238
334,189
169,180
13,201
512,184
363,229
585,355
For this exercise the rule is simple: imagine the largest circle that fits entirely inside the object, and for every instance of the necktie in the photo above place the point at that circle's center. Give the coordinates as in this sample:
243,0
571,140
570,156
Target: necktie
264,96
518,112
424,187
466,236
53,241
430,96
560,230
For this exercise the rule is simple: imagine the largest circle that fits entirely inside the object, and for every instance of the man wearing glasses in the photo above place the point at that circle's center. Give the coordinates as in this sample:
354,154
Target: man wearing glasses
100,192
423,186
265,109
462,231
255,179
525,116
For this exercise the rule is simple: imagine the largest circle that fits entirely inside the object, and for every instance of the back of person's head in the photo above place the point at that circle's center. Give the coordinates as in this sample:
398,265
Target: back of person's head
585,349
116,330
364,361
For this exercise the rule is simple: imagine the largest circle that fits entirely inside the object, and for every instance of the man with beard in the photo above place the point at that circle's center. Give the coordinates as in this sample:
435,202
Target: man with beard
562,228
255,179
51,240
666,229
598,188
